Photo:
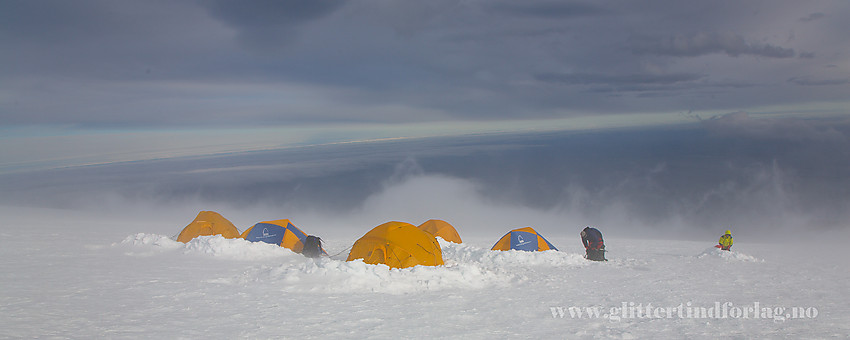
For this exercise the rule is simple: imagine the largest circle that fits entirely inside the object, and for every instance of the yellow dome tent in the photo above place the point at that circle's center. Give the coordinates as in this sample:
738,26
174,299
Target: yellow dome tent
397,245
442,229
208,223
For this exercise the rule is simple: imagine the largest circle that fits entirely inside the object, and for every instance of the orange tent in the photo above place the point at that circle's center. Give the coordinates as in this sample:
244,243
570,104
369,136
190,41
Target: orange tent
397,245
208,223
442,229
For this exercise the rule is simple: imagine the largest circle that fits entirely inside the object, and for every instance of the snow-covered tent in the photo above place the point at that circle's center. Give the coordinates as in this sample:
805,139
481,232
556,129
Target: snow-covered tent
397,245
208,223
526,239
442,229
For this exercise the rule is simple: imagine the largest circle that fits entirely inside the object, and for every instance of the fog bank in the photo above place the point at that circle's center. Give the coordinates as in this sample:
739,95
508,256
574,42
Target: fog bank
683,182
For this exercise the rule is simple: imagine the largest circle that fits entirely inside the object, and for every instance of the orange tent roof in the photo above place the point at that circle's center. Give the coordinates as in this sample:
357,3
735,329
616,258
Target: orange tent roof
442,229
208,223
397,245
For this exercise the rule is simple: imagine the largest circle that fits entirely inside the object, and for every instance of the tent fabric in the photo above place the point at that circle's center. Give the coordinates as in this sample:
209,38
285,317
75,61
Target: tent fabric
279,232
442,229
526,239
208,223
397,245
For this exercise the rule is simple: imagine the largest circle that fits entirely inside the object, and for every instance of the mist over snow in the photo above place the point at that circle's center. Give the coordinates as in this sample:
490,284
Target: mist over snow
95,276
691,181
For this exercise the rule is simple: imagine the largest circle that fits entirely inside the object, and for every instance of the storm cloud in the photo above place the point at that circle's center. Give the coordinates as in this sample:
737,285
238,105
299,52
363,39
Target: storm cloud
220,63
708,43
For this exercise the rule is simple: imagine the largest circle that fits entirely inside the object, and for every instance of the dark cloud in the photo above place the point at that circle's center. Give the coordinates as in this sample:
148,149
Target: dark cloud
51,21
268,13
128,42
807,55
700,44
631,79
549,9
266,23
809,81
813,17
741,124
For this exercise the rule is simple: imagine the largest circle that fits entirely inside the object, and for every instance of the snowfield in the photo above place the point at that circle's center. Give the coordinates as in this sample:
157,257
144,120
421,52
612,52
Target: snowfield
113,280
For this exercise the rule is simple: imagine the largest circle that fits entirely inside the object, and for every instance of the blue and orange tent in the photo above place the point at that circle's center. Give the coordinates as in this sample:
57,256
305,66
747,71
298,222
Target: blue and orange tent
279,232
526,239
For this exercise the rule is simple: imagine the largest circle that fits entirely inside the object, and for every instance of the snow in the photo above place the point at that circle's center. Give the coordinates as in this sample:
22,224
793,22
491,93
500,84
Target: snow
116,279
715,252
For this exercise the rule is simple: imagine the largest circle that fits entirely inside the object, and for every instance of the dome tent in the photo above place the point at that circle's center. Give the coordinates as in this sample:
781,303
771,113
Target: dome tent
279,232
397,245
208,223
442,229
526,239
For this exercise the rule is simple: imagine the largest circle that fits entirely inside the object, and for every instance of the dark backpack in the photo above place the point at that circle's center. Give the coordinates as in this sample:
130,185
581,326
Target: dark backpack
592,238
312,247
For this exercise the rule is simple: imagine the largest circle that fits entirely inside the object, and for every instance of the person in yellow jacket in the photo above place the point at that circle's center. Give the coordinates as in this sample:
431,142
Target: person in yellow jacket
726,240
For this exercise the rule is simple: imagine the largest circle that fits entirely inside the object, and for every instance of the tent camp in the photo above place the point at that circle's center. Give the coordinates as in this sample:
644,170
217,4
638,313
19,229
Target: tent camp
526,239
397,245
208,223
442,229
279,232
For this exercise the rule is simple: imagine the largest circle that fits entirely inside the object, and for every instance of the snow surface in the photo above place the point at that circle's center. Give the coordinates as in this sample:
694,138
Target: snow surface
112,279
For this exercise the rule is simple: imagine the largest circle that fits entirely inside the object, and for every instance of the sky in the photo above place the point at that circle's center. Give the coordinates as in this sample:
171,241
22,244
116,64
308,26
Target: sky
641,113
107,70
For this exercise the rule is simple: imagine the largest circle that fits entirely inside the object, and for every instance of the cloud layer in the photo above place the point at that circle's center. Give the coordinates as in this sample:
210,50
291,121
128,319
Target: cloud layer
732,171
222,63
